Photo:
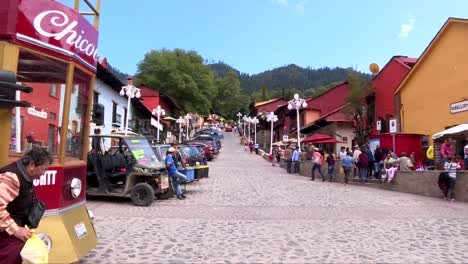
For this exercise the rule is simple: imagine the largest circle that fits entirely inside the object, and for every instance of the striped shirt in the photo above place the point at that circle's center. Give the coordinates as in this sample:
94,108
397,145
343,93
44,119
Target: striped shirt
451,169
9,190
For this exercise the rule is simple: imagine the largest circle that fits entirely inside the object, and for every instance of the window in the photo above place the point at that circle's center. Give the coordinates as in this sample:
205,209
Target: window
53,90
114,112
52,116
125,117
95,98
345,139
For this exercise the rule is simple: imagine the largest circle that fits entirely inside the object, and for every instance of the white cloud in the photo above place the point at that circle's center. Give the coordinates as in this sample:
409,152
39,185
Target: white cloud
281,2
405,29
300,6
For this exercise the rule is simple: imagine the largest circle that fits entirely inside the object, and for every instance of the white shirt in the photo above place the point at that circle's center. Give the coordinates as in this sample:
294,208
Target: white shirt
356,154
342,155
466,151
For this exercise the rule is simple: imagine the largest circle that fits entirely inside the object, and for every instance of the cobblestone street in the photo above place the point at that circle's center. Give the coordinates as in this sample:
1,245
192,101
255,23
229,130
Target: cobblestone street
248,211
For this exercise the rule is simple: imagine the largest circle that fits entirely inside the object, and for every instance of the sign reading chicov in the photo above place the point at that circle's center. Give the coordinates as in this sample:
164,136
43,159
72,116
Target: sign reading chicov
459,107
57,28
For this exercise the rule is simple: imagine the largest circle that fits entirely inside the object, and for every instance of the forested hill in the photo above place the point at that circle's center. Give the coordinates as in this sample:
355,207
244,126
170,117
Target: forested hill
286,77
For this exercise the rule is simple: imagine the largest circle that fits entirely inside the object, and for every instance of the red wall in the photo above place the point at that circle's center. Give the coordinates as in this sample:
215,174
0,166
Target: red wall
385,84
40,99
403,143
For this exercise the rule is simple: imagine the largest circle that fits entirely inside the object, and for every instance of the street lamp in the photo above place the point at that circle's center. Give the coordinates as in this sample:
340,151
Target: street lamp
158,111
249,121
255,121
244,118
297,103
187,122
180,121
131,92
271,117
239,116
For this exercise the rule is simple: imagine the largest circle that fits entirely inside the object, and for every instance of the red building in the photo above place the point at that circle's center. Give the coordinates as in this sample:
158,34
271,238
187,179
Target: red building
42,118
385,83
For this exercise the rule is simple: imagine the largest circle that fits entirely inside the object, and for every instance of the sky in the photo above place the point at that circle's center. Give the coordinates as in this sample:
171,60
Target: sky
258,35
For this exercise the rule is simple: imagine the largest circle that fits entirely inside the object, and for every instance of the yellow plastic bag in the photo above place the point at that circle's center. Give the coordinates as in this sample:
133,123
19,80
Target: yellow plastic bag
34,251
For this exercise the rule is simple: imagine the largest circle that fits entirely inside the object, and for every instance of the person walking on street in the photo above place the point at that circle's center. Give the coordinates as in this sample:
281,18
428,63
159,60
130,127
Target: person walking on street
451,168
342,153
331,165
177,178
16,197
348,164
465,151
370,158
317,160
295,159
363,164
288,157
356,154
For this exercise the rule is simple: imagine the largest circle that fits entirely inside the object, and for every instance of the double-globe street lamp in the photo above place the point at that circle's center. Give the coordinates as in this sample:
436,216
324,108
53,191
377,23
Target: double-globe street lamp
255,121
297,103
131,92
180,121
239,115
187,118
158,112
271,117
244,118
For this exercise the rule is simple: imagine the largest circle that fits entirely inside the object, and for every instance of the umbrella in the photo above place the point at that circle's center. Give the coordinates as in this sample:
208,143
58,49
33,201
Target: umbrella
170,118
315,137
292,140
460,129
279,143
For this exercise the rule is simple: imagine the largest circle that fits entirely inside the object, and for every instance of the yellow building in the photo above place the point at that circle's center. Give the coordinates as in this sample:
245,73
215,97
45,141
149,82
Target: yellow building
434,95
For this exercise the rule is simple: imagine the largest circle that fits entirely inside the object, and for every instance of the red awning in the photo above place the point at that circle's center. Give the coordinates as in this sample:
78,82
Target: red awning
327,141
313,138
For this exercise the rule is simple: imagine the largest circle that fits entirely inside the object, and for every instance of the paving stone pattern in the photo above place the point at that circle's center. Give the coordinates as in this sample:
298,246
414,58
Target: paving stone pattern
250,212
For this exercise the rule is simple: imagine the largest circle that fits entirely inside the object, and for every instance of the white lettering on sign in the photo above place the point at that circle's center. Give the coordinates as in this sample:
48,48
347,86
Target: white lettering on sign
34,112
459,107
48,178
60,19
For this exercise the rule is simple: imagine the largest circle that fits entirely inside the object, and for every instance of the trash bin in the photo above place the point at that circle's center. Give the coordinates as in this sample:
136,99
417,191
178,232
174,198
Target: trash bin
201,171
189,173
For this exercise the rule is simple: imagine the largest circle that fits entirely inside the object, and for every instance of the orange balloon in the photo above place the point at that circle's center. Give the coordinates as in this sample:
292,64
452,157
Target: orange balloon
374,68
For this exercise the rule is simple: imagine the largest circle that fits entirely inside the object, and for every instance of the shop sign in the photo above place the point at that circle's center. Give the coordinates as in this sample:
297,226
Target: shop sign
285,138
379,125
156,124
54,26
459,107
41,114
393,125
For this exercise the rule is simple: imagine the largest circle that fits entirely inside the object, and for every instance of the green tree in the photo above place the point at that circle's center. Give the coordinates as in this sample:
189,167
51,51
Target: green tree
358,107
228,101
181,75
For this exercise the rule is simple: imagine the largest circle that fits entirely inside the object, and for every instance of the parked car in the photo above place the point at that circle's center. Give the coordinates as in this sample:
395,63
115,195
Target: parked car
161,150
211,132
228,129
129,168
203,137
191,155
206,149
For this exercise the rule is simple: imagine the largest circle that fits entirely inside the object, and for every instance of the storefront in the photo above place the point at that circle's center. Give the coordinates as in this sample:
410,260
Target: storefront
434,95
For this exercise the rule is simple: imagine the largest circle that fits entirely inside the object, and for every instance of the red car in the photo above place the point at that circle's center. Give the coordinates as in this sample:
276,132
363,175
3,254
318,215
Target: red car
228,129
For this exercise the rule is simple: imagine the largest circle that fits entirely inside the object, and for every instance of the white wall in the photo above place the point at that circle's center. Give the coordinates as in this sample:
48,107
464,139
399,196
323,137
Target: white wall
106,97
